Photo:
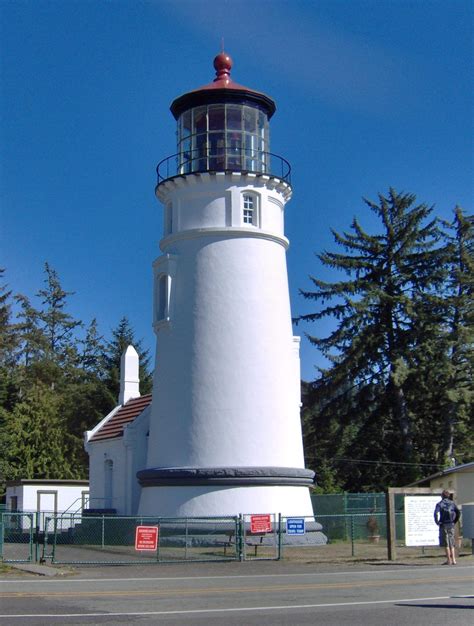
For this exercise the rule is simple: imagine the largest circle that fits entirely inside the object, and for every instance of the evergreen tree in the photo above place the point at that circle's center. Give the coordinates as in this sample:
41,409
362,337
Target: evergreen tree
8,346
35,440
122,337
82,406
58,326
362,396
92,353
459,340
32,341
8,338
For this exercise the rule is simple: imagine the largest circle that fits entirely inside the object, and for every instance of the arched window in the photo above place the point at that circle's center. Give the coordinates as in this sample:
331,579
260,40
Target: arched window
164,272
108,484
168,225
162,294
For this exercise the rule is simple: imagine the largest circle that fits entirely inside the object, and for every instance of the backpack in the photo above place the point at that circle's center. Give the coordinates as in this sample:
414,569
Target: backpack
447,512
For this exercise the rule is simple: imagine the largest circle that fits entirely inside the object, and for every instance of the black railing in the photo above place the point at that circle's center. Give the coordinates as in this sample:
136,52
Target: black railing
224,160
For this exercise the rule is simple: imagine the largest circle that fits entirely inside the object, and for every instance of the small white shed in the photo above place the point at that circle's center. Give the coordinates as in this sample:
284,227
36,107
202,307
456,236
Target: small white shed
458,479
46,496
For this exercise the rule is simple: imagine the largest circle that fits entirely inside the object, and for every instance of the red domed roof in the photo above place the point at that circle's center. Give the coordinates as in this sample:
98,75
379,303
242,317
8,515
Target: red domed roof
223,64
222,89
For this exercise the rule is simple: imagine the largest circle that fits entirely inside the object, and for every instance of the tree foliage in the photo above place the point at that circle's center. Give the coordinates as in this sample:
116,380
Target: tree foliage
398,388
58,378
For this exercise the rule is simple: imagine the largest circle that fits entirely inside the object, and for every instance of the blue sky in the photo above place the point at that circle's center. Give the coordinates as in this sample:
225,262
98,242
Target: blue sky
369,93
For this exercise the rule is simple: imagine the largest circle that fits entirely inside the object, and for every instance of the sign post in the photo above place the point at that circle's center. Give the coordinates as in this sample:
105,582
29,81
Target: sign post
391,527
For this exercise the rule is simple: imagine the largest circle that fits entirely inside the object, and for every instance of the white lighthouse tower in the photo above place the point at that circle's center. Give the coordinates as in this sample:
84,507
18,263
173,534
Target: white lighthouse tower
225,434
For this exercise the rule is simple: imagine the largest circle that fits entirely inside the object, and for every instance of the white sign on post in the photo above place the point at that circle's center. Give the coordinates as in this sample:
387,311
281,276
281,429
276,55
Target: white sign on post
420,527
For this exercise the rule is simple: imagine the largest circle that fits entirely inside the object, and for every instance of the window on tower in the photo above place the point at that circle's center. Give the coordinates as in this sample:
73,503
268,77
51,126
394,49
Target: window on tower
162,304
168,214
250,210
164,272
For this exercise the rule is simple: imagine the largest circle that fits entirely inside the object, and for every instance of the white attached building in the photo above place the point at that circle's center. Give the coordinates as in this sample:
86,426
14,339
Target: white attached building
117,445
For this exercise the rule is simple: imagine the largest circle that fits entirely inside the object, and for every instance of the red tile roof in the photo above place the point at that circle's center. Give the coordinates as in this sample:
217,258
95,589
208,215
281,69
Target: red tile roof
125,415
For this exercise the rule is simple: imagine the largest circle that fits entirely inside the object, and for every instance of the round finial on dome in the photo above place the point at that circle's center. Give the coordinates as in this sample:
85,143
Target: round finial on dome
222,65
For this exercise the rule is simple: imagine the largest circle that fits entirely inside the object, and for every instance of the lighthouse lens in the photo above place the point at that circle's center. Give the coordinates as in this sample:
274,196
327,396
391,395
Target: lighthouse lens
234,118
222,137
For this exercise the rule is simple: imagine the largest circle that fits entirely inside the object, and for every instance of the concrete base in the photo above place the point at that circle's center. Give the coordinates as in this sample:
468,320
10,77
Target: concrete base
214,501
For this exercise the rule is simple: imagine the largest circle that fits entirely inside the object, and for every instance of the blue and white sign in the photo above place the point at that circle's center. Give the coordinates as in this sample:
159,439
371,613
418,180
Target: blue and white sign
295,526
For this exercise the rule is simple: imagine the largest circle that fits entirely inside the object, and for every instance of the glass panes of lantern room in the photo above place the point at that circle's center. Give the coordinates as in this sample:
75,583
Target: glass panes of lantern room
223,137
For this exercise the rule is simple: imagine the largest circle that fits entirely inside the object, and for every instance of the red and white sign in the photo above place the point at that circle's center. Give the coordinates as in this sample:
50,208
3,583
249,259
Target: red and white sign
260,524
146,538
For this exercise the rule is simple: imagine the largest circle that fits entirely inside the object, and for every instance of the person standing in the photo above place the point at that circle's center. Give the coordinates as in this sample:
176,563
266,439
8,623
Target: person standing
446,515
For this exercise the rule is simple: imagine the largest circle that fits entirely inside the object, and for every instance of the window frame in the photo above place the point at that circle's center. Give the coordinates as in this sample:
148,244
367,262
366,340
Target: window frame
164,271
162,296
250,209
168,219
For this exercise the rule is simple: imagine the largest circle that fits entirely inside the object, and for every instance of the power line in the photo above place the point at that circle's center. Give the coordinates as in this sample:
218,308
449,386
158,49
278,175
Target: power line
363,461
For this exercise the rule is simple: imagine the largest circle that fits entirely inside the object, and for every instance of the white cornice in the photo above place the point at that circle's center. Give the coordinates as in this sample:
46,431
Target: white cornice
234,178
227,232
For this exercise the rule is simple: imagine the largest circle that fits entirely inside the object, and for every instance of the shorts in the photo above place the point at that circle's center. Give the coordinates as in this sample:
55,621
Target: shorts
446,535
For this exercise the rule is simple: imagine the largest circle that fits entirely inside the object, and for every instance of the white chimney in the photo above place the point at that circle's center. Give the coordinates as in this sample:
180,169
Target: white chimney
129,376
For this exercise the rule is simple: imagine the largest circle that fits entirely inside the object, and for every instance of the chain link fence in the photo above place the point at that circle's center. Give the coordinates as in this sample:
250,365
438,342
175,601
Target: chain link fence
85,538
348,503
112,539
17,537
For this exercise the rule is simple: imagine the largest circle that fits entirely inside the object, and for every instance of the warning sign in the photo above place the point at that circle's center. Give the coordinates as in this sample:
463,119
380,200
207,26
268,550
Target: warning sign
260,524
146,538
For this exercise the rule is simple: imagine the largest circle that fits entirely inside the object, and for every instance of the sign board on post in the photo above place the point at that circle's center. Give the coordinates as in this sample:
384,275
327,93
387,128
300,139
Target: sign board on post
260,524
295,526
146,538
420,527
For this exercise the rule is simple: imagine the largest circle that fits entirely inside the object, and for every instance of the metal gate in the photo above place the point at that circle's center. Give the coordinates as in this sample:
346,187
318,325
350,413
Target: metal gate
17,537
261,537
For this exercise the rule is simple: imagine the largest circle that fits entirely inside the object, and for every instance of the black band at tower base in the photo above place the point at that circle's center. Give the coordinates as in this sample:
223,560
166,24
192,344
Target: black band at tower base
225,476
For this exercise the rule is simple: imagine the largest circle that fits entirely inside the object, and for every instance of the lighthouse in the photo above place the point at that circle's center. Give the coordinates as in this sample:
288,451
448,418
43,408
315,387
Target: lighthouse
225,433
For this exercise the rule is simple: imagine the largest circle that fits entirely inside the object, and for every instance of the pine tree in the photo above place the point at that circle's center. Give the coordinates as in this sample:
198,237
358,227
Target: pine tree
92,351
32,340
363,393
35,440
8,338
57,325
8,348
459,337
122,337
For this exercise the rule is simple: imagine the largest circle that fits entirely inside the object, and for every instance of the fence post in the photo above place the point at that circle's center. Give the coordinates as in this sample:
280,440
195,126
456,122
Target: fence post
103,532
1,534
159,540
352,536
186,540
37,538
241,528
280,532
391,528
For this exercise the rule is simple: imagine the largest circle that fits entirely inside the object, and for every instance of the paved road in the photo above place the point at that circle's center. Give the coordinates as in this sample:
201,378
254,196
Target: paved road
244,594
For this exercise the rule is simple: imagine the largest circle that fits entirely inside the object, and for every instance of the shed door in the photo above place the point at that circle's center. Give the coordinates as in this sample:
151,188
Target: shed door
47,502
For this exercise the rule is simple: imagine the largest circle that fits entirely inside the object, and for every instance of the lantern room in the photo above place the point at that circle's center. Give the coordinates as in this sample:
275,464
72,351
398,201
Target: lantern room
223,127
